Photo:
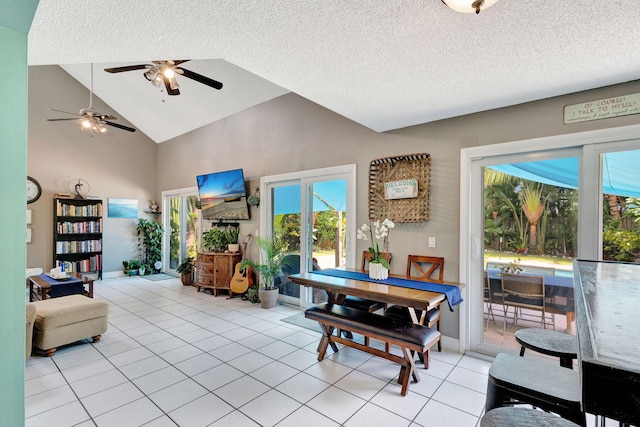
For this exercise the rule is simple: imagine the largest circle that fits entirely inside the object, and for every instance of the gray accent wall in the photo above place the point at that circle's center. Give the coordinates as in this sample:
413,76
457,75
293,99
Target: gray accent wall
286,134
116,164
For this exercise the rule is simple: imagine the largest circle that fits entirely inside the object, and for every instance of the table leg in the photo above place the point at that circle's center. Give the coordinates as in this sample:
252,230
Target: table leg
571,316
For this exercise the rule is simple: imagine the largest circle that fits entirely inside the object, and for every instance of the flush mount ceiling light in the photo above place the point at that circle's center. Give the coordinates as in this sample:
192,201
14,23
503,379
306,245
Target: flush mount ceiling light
469,6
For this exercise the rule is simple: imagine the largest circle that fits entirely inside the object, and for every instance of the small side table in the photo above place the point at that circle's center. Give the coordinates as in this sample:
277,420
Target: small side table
549,342
38,288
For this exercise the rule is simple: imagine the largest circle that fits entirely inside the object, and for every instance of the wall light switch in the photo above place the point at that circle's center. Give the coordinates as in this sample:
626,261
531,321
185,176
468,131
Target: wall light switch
432,242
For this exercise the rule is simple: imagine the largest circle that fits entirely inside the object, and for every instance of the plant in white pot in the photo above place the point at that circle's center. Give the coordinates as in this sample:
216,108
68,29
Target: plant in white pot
273,259
231,234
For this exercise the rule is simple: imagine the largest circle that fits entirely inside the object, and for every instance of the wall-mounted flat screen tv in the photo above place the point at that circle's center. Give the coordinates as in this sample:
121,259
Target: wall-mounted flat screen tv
223,195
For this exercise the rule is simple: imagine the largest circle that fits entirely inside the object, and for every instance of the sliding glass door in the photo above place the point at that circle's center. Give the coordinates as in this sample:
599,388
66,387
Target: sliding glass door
181,223
537,205
309,211
530,219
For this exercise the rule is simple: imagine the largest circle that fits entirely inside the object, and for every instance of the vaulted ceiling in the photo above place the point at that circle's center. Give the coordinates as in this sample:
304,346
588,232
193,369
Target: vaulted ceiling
384,64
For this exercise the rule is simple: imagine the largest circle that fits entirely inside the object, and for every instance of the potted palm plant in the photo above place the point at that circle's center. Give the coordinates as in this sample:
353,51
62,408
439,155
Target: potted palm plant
273,259
186,271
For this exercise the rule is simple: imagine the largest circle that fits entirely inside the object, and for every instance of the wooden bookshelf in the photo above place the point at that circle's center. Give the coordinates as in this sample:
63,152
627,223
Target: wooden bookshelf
77,235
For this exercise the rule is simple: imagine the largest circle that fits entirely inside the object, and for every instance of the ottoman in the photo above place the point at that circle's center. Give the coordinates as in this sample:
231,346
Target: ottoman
68,319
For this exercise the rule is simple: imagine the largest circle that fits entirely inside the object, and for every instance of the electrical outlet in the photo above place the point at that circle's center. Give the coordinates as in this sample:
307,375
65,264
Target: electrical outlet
432,242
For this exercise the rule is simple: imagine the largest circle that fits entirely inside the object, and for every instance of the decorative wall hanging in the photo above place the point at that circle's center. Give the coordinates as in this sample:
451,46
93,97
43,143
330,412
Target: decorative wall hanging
399,188
123,208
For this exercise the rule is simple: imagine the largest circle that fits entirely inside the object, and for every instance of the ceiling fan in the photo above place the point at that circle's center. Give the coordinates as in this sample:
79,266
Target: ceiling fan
90,119
165,72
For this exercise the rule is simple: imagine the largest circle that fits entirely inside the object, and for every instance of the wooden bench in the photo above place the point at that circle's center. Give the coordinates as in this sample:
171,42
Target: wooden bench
411,338
514,379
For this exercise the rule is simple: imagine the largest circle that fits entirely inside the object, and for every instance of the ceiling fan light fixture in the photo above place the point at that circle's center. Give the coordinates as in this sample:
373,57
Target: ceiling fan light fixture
469,6
86,124
151,74
169,73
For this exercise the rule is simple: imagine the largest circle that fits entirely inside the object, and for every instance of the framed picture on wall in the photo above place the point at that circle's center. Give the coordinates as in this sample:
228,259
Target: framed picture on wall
123,208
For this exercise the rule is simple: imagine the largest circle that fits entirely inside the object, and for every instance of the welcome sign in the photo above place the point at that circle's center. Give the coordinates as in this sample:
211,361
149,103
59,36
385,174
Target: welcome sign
403,189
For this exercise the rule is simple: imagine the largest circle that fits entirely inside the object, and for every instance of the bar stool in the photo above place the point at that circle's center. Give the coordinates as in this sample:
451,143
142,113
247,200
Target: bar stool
547,386
522,417
549,342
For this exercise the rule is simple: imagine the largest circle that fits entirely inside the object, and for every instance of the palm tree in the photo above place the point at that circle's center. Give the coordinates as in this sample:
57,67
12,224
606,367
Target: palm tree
533,207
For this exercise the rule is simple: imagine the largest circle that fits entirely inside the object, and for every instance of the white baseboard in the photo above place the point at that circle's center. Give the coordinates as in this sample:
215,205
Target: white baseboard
112,274
451,344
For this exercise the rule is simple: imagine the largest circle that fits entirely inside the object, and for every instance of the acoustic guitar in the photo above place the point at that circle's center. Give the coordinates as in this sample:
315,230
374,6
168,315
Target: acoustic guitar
242,278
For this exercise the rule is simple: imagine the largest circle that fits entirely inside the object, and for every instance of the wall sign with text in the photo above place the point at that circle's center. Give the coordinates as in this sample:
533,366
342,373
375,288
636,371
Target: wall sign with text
617,106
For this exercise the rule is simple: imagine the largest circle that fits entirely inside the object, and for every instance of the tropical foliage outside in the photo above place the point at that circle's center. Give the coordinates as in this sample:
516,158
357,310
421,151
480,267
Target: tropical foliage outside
527,217
191,234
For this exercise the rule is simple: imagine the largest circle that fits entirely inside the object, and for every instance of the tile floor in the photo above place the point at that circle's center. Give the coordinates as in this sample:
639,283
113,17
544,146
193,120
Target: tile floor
173,356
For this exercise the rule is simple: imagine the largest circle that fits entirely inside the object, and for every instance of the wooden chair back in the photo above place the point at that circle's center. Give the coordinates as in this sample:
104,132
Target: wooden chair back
366,257
425,266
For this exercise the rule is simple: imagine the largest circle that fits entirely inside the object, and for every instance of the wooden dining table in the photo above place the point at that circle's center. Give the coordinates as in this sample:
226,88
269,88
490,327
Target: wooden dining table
338,288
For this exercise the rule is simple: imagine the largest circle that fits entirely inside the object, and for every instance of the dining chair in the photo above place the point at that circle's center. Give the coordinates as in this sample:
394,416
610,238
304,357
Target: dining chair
366,257
427,268
362,303
523,291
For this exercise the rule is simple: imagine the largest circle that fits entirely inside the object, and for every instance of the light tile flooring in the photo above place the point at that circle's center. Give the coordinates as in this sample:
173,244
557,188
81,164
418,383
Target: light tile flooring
173,356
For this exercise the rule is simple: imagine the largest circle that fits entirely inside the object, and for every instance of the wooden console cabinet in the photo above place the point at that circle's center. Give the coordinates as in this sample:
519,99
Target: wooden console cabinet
215,270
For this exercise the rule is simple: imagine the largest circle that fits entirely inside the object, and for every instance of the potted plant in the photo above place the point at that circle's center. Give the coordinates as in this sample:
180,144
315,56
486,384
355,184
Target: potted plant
149,242
378,265
186,271
273,259
214,240
231,236
131,267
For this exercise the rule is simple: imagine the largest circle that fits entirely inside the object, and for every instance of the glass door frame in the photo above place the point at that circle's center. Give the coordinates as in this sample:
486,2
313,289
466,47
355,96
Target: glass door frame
303,178
590,145
166,224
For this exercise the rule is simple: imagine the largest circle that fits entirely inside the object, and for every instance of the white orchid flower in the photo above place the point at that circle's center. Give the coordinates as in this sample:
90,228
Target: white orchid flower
388,223
362,235
365,228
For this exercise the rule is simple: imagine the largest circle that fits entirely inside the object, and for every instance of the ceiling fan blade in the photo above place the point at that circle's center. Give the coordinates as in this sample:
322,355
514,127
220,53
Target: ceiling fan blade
126,68
170,91
201,79
66,112
180,61
70,118
105,117
119,126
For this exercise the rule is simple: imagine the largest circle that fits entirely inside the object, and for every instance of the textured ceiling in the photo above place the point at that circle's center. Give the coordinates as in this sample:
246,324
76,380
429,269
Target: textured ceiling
384,64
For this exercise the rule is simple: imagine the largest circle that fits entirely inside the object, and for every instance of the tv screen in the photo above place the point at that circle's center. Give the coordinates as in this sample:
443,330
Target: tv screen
223,195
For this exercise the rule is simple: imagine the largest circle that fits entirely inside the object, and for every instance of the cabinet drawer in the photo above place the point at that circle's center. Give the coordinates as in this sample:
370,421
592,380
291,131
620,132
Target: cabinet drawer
206,258
205,280
206,269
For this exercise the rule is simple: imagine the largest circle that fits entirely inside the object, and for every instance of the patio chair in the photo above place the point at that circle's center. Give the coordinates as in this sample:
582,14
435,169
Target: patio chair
488,299
523,291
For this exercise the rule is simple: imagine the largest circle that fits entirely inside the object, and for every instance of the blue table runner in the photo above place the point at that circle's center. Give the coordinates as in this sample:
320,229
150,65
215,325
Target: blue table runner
60,288
452,293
